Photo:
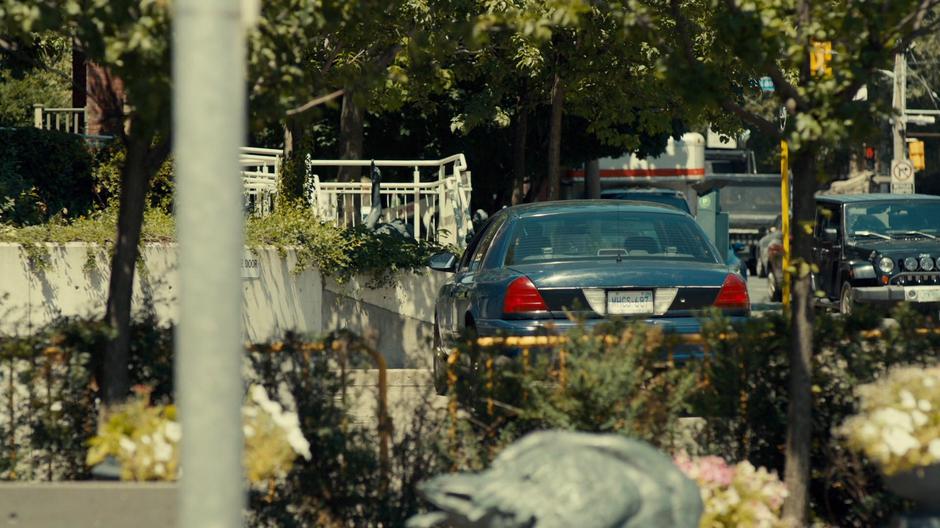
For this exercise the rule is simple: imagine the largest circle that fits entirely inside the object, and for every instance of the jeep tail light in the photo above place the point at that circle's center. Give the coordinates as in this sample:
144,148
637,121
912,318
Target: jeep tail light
522,297
733,294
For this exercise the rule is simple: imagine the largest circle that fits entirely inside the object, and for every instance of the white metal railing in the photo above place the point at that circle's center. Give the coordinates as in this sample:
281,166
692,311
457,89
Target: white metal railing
260,172
437,210
71,120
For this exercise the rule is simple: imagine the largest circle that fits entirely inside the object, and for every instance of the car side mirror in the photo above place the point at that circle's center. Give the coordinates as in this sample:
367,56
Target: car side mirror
830,234
445,261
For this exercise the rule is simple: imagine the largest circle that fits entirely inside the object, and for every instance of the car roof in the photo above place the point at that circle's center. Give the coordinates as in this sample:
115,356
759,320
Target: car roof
875,197
591,206
642,190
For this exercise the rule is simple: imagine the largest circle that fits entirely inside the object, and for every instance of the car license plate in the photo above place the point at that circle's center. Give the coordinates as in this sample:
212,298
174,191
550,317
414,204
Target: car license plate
630,302
922,293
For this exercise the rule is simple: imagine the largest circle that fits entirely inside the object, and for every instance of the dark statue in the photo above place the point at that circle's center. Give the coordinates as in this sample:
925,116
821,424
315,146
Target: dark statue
560,479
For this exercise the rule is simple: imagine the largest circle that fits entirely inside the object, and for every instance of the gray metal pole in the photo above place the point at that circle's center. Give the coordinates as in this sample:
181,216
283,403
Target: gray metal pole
209,125
899,103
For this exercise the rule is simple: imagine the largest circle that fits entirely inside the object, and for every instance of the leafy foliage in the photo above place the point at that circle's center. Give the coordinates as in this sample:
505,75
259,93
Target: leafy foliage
616,378
334,251
43,174
747,392
110,162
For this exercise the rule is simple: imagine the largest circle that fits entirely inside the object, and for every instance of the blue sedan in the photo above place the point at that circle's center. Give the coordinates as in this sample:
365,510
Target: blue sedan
532,265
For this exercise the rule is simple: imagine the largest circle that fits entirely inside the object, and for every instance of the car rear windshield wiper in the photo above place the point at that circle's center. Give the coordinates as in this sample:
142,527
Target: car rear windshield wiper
870,234
918,233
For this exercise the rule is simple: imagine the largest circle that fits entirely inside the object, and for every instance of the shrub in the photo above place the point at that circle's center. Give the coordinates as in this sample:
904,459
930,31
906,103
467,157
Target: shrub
616,378
747,395
108,180
43,174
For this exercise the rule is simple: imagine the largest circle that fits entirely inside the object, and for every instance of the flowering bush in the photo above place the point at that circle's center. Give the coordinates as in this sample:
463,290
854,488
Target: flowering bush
898,423
739,495
145,439
272,437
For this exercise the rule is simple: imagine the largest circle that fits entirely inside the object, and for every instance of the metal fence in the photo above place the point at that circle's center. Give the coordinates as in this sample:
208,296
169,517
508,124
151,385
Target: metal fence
260,172
71,120
434,205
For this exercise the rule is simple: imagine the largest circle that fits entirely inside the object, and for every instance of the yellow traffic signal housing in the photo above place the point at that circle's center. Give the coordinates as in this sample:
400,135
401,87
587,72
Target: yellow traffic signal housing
820,57
915,150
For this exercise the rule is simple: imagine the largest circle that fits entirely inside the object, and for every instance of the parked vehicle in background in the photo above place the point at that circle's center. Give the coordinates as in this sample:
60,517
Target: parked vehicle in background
534,265
668,197
677,200
774,232
876,248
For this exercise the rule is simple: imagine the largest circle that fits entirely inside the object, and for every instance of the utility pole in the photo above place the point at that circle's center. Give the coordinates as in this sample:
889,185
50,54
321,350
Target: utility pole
899,104
208,129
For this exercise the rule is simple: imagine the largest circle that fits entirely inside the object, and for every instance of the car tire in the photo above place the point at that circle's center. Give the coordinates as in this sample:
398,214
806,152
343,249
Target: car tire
439,366
846,303
775,294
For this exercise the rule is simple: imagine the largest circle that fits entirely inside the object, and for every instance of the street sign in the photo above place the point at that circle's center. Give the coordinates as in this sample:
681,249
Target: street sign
766,84
902,177
251,267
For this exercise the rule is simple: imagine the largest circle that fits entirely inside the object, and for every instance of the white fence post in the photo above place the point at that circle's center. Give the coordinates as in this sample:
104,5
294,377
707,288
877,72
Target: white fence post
417,206
37,115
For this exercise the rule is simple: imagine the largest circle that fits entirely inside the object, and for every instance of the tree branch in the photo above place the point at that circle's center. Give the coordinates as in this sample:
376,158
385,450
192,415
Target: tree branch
764,125
314,102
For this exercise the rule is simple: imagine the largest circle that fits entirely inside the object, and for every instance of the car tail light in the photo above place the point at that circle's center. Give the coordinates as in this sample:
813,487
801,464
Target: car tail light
733,294
522,297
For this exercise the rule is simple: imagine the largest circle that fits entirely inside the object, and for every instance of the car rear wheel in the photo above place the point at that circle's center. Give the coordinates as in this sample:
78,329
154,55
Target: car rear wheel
775,294
845,299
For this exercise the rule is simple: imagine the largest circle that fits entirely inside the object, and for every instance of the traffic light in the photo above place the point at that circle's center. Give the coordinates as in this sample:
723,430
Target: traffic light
820,57
915,151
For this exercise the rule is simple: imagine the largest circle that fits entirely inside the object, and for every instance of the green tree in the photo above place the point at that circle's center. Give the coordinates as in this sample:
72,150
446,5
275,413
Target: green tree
718,49
130,41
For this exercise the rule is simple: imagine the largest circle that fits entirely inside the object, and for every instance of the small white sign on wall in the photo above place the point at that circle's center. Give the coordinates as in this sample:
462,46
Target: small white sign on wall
251,266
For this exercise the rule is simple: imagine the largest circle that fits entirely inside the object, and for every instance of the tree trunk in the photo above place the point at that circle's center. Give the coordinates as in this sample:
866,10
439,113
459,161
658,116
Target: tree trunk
800,411
592,179
140,165
351,119
520,135
554,139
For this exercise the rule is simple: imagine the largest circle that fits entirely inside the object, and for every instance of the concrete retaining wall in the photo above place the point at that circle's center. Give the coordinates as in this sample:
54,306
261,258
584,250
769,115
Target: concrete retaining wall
400,319
75,283
276,299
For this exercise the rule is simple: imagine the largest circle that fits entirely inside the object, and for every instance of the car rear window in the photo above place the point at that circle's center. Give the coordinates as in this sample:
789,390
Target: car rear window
608,234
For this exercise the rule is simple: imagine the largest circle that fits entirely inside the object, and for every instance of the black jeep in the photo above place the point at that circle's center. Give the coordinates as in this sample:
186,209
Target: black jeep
877,248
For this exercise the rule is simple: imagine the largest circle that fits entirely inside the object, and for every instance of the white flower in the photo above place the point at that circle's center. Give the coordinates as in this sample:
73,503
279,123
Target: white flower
899,441
893,418
934,449
162,451
172,431
248,430
924,405
127,445
908,401
929,382
146,440
299,444
918,418
159,469
56,406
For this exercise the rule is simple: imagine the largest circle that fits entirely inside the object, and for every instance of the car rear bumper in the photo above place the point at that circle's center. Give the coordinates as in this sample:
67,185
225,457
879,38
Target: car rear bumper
875,294
527,327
